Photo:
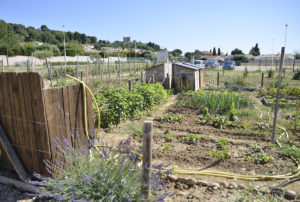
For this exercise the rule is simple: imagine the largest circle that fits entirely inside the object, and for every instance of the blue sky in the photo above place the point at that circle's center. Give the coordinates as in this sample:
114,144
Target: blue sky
187,25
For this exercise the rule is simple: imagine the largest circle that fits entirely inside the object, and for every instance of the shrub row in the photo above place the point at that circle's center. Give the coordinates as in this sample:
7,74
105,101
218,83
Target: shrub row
292,91
117,105
216,102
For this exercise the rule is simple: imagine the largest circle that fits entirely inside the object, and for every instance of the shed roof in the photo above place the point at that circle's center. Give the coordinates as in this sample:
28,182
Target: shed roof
189,65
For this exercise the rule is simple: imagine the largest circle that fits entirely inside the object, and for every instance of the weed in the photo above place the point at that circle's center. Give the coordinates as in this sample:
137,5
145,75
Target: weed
167,147
219,154
138,133
169,137
262,126
256,148
191,138
223,143
170,118
261,158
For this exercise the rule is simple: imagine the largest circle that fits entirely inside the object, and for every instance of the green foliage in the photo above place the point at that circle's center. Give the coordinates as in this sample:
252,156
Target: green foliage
284,90
170,118
205,111
255,50
216,102
256,148
117,105
296,76
167,147
237,52
262,126
221,155
232,113
138,133
191,138
214,51
169,137
73,49
43,54
262,158
290,151
219,51
223,143
297,56
245,73
271,73
176,52
240,58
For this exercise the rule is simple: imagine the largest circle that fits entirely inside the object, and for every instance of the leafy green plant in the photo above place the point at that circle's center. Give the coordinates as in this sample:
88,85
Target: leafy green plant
232,112
247,157
216,102
167,147
219,154
223,143
170,118
256,148
271,73
169,137
138,133
262,158
191,138
245,73
296,76
262,126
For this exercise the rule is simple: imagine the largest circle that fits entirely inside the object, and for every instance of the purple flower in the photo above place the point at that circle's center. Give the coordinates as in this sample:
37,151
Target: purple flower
111,198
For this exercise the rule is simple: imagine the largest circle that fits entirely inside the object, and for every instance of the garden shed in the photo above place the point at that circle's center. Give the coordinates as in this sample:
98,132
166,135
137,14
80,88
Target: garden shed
186,76
159,73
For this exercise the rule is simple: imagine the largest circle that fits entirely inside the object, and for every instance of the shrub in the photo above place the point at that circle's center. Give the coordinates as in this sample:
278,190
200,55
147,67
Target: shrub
216,102
296,76
117,105
240,58
110,175
271,73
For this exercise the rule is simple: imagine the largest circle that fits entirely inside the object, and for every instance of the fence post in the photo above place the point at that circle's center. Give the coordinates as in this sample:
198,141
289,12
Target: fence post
276,65
152,78
77,67
2,66
262,80
130,84
147,158
294,65
81,76
223,71
142,77
277,95
218,80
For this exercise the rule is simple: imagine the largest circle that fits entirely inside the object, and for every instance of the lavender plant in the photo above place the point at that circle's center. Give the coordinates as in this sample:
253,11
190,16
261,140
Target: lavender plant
107,175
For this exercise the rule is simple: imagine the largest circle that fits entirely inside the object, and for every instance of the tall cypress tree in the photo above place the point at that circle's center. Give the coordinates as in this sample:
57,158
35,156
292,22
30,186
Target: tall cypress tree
219,51
214,51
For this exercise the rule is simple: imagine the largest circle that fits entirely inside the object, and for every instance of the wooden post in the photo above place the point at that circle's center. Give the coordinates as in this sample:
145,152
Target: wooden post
77,68
223,71
277,95
81,76
142,77
259,64
27,64
218,80
12,155
152,78
262,80
147,159
130,84
284,69
276,65
2,66
294,65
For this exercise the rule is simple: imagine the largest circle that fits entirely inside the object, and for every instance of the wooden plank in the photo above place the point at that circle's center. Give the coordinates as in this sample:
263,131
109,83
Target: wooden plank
41,135
72,111
4,121
19,184
90,115
30,124
67,114
26,153
49,119
8,148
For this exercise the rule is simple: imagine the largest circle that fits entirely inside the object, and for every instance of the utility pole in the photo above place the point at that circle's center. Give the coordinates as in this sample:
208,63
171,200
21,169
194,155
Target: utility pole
64,46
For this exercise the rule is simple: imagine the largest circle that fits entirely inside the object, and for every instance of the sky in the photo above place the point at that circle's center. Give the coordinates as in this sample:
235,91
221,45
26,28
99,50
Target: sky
187,25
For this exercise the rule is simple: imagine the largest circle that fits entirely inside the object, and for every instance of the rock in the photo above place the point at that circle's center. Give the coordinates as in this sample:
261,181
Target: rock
264,190
177,186
214,186
232,185
202,183
240,186
277,191
182,180
191,182
185,186
224,184
290,195
264,101
172,178
255,191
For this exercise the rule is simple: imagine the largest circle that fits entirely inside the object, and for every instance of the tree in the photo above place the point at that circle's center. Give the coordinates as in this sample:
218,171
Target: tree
255,50
176,52
237,52
214,51
189,55
74,48
8,39
83,38
44,28
219,51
